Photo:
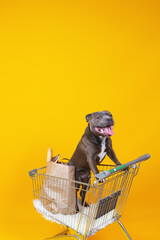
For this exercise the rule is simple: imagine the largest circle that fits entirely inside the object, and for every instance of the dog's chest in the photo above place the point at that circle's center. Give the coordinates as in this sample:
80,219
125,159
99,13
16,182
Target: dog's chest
102,153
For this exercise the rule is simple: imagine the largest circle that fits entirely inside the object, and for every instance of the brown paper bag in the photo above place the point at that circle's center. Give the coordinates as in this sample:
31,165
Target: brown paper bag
58,193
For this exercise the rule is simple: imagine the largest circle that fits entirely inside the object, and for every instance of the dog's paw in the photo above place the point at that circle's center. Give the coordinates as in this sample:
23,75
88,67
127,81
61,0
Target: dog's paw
126,169
102,181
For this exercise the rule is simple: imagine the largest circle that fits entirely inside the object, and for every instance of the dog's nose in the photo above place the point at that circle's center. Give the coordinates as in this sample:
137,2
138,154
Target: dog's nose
110,121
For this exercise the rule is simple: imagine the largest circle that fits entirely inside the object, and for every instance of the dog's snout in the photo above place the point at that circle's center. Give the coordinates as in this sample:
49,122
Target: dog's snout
110,121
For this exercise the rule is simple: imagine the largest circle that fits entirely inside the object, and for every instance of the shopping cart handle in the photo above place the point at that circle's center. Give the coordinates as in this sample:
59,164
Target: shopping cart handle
105,174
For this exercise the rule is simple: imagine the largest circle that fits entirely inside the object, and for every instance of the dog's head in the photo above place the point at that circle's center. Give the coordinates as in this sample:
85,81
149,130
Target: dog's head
101,123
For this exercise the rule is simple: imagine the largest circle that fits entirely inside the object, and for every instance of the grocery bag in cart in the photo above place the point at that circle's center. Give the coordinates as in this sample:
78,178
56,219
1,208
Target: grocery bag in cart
58,190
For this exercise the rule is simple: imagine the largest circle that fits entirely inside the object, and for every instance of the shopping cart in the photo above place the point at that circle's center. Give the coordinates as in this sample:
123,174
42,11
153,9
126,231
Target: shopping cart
106,196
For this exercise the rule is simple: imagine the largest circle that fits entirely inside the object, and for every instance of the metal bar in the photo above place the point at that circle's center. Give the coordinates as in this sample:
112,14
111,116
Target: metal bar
124,231
32,172
105,174
69,237
93,199
83,205
64,232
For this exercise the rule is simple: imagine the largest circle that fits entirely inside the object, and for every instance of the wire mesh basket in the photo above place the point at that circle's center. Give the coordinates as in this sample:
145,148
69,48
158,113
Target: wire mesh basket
104,199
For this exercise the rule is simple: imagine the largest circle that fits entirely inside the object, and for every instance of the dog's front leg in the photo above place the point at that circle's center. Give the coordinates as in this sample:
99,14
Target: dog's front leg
92,163
111,154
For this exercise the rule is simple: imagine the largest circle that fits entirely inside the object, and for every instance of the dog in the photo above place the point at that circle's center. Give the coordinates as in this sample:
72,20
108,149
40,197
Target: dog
93,147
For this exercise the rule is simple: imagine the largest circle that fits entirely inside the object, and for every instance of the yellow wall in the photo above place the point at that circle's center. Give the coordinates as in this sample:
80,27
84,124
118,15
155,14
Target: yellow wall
61,60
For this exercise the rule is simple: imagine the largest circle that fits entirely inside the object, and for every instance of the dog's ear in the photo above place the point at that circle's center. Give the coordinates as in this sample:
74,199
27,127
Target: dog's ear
88,116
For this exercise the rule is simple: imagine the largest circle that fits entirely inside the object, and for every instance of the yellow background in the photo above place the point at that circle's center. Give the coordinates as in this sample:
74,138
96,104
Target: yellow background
61,60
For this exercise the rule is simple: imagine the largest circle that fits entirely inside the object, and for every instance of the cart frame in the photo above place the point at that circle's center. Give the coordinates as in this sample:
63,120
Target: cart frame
106,199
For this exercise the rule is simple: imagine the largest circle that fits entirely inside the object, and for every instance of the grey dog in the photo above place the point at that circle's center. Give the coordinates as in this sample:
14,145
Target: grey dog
93,147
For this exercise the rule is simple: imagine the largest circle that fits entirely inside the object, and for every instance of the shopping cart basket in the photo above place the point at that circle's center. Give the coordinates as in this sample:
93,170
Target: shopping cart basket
105,196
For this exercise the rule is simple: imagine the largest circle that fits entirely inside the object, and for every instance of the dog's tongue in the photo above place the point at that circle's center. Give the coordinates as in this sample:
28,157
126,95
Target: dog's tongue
108,131
105,130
